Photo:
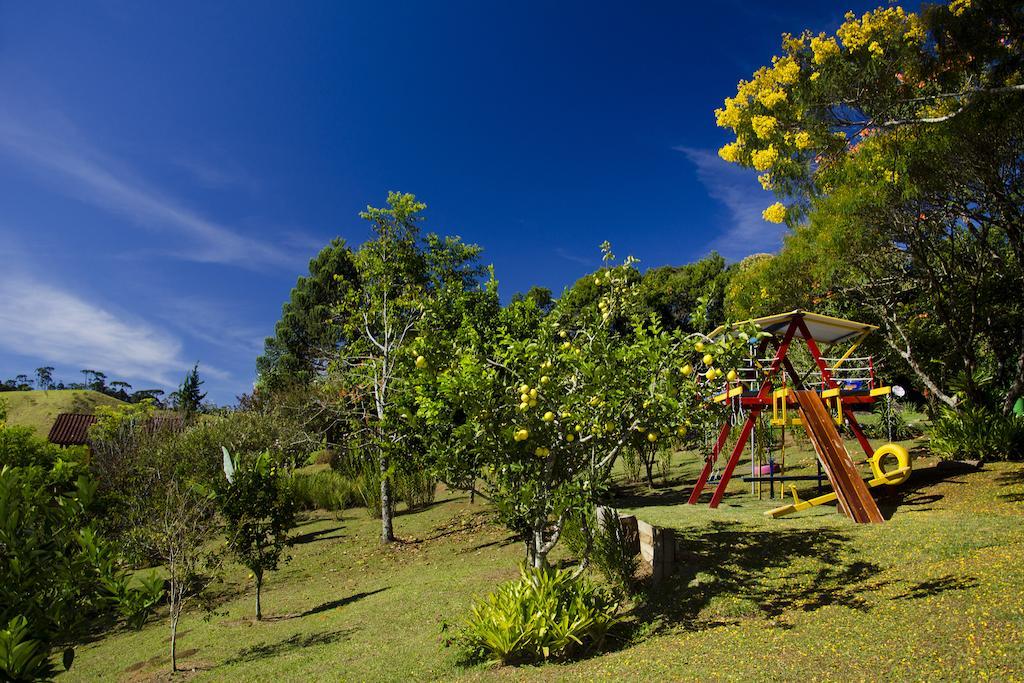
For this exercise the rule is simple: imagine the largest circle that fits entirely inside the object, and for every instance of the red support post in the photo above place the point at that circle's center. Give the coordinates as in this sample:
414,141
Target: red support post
709,464
737,450
762,395
812,346
859,433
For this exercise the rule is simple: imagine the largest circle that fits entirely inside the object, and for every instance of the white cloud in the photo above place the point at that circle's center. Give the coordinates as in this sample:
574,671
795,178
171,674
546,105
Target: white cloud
83,173
41,321
741,194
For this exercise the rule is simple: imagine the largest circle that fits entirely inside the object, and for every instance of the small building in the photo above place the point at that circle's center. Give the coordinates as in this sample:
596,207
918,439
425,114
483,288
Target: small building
71,429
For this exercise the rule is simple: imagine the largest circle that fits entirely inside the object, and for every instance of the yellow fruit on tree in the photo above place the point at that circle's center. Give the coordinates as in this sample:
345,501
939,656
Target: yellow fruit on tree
545,379
533,402
711,374
549,416
686,370
731,376
563,334
698,347
524,389
681,430
421,362
708,359
652,437
570,437
533,393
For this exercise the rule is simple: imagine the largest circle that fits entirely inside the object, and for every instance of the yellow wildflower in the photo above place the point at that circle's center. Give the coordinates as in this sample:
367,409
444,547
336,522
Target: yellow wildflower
763,159
764,126
776,213
803,140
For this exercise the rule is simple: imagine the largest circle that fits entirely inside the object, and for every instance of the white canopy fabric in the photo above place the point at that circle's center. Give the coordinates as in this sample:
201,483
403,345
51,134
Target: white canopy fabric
824,329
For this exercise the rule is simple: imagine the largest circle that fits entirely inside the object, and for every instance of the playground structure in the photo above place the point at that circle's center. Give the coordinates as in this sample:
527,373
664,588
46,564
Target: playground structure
823,398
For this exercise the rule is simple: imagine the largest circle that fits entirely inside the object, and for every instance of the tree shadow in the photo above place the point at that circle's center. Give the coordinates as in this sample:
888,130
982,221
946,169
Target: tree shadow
933,587
340,602
1014,478
318,535
295,642
766,573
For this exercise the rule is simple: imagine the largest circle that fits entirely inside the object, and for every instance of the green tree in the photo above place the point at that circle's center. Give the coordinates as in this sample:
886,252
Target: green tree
259,512
307,336
398,274
189,397
672,292
549,410
44,377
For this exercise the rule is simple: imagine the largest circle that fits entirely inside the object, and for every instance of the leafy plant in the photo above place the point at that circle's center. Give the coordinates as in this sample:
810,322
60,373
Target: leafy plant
324,490
259,511
977,433
59,577
545,615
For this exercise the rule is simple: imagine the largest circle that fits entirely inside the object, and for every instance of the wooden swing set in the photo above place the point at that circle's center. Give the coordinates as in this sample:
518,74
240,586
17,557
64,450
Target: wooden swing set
823,398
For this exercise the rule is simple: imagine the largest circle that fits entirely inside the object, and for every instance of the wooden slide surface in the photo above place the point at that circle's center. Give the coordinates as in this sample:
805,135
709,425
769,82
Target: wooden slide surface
853,494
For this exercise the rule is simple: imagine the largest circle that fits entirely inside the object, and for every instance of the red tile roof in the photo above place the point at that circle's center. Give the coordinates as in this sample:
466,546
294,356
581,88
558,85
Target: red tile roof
71,429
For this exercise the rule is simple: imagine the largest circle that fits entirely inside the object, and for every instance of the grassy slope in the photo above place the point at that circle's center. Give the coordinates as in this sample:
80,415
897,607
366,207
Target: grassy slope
933,593
39,409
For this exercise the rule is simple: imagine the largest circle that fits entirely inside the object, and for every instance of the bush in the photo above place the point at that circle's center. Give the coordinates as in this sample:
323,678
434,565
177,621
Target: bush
977,433
546,615
323,490
59,577
891,424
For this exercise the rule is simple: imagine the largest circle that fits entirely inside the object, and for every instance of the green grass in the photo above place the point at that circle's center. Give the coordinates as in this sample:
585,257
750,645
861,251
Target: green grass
934,593
39,409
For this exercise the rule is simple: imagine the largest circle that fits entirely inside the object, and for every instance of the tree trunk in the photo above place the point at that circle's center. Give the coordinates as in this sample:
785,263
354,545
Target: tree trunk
174,640
387,508
540,555
259,588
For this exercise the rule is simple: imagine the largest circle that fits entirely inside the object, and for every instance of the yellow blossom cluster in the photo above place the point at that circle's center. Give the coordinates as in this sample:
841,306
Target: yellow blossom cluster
764,159
883,24
771,98
730,152
803,140
823,48
764,126
776,213
958,7
766,181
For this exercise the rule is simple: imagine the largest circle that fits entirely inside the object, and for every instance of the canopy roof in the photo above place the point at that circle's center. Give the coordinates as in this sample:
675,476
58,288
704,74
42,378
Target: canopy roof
823,328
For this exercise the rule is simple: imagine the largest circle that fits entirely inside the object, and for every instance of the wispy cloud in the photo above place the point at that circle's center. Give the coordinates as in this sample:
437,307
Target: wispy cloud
575,258
81,172
217,176
215,324
747,233
41,321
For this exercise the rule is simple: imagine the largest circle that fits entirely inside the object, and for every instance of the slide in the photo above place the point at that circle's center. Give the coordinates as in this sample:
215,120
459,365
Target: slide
851,491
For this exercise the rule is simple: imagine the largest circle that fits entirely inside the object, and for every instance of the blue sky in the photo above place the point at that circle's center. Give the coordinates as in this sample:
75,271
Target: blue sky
168,169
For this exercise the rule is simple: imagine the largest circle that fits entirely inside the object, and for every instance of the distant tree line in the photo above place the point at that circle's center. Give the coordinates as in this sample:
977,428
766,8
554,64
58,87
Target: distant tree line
188,397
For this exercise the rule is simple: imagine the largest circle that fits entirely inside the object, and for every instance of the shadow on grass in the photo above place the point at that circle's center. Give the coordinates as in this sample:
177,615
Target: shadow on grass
295,642
318,535
933,587
1014,478
340,602
730,572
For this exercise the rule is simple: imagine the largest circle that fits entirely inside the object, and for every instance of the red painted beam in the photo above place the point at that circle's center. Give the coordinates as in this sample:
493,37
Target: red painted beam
709,464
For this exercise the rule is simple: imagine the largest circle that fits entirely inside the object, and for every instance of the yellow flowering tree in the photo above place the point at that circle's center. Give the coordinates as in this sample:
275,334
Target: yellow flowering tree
816,104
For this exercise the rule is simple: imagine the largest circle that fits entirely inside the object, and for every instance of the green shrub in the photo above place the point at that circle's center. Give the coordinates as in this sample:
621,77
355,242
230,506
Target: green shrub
977,433
605,546
416,489
323,490
59,577
891,423
546,615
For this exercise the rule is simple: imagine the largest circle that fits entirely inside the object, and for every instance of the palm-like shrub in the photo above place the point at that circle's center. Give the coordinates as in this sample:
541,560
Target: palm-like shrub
978,433
548,614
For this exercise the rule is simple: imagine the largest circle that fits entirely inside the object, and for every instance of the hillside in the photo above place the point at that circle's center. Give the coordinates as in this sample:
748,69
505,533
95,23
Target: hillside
39,409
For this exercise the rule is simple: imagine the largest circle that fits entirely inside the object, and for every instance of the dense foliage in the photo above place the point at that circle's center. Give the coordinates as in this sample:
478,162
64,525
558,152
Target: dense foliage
60,578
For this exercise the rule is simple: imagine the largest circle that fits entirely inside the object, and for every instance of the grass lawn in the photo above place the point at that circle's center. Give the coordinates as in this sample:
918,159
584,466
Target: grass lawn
934,593
39,409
